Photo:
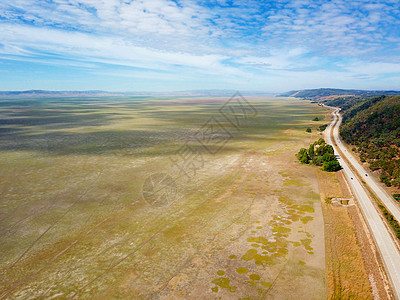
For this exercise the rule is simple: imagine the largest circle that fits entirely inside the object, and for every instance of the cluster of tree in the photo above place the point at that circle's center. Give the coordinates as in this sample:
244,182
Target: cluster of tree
320,154
372,125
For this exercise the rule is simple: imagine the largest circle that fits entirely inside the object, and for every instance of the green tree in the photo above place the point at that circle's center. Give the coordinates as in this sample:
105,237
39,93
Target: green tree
305,158
317,160
311,151
301,152
323,127
331,166
328,157
321,150
308,129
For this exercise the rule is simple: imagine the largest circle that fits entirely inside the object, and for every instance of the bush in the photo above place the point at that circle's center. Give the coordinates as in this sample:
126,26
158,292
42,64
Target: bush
331,166
305,159
384,178
303,156
328,157
321,150
316,119
317,160
323,127
311,151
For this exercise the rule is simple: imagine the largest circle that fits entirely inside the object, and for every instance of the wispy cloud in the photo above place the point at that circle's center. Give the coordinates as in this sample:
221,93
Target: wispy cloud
311,42
336,28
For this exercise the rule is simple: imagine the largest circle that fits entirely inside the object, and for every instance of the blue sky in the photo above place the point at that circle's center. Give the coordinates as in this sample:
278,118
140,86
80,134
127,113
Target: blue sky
166,45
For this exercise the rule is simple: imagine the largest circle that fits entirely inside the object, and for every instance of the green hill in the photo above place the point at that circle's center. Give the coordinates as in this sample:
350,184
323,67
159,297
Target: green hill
329,93
373,126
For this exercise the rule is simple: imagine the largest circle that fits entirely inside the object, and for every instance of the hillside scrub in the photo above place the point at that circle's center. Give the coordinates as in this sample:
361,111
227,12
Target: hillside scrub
373,127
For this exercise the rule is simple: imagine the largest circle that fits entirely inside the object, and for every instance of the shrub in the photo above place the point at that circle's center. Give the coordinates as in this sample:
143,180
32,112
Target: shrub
323,127
317,160
384,178
328,157
331,166
304,158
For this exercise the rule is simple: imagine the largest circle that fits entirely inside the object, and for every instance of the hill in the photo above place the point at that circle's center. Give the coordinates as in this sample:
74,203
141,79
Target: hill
331,94
372,125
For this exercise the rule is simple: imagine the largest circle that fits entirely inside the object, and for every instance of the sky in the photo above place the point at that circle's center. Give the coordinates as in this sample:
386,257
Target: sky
172,45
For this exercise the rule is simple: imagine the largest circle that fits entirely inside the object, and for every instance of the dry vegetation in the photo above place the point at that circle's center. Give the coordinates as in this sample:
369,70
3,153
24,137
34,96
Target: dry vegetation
347,276
248,223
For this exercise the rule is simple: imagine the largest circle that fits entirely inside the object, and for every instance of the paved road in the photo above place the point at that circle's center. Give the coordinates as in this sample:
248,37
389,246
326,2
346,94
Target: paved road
386,246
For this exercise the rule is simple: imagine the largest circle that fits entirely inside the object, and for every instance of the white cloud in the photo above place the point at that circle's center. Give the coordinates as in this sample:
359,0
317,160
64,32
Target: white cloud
337,27
105,49
244,41
278,59
372,69
140,17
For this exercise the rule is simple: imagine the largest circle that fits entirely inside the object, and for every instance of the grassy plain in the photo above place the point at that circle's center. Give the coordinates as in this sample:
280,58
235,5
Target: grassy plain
75,222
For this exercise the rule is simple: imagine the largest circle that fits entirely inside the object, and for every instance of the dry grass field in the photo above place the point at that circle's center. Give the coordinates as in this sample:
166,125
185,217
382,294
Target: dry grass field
348,277
159,198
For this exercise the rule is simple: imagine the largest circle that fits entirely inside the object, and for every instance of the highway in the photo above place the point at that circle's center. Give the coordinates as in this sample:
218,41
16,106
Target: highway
384,242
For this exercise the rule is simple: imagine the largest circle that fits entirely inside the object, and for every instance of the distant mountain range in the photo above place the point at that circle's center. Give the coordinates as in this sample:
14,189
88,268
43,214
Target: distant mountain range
328,93
311,94
51,94
44,93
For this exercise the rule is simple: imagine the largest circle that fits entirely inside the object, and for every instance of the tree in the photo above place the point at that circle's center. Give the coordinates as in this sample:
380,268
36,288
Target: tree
323,127
328,157
301,152
328,149
305,158
385,179
317,160
308,129
321,150
316,119
331,166
311,150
